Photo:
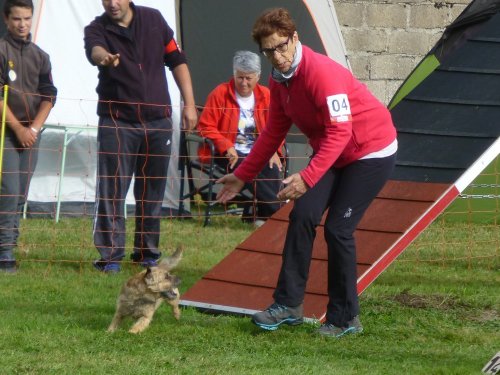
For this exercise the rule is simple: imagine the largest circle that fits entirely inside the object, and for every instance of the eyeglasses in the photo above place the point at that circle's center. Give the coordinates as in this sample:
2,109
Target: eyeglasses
280,48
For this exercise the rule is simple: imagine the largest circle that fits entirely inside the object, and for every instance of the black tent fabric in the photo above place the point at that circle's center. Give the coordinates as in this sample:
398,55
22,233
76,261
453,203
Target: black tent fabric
465,26
212,31
451,117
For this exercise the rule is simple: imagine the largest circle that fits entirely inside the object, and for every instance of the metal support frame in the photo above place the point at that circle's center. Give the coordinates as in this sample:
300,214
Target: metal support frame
68,138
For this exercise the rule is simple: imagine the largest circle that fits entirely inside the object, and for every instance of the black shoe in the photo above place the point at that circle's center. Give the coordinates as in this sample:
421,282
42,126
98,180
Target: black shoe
276,314
8,266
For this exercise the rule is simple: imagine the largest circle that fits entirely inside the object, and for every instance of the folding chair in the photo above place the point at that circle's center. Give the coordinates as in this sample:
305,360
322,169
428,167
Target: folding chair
208,173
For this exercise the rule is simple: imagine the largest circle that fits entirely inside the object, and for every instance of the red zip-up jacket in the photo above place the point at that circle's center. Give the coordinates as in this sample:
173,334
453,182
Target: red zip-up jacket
342,120
219,119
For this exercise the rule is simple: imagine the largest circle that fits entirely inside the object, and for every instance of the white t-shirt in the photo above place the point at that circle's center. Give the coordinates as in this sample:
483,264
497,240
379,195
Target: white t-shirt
246,124
385,152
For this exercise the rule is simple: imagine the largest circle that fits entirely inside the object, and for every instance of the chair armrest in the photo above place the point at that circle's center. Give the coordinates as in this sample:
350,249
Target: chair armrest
191,137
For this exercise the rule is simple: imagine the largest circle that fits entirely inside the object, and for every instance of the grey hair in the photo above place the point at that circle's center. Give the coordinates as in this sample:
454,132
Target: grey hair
246,61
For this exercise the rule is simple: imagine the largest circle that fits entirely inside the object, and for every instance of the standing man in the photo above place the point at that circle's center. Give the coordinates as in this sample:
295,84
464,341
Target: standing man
131,45
26,69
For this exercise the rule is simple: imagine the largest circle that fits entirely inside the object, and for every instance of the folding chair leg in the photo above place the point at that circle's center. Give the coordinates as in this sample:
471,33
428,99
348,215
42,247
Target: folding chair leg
208,210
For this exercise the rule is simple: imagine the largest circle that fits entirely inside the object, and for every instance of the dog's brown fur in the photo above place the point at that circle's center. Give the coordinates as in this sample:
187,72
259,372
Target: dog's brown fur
143,293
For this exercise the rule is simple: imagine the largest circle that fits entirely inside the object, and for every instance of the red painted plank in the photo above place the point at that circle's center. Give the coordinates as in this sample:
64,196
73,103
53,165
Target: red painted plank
262,269
392,215
268,238
370,244
391,254
412,191
246,277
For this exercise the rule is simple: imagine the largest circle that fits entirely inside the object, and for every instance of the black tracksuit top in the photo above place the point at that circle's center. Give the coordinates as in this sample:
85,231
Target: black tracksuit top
136,90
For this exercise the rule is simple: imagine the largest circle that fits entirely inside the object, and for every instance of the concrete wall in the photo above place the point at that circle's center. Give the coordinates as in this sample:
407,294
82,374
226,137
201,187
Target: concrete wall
386,39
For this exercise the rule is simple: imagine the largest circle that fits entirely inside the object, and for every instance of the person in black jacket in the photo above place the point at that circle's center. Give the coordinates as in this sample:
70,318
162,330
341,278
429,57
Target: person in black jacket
26,69
131,45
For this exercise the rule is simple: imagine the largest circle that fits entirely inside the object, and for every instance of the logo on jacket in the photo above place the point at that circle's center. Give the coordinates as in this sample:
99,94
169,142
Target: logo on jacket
12,73
339,108
348,213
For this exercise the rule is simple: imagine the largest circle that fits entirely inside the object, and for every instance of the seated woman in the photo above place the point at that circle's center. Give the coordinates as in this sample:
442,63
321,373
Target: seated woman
235,113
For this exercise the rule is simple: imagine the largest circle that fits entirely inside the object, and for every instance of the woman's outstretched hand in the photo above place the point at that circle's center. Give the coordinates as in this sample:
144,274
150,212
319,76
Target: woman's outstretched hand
232,186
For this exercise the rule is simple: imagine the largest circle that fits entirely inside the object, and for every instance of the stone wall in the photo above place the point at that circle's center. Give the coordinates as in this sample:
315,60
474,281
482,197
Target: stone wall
386,39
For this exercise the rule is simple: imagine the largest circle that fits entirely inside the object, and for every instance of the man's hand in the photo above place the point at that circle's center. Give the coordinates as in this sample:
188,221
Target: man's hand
295,187
100,56
189,118
232,186
110,60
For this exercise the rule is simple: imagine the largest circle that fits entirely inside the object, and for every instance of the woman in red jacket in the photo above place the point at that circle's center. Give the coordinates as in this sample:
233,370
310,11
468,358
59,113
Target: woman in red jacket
354,144
234,115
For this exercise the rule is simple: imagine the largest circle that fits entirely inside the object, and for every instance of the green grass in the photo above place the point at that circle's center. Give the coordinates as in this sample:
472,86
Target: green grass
434,311
475,210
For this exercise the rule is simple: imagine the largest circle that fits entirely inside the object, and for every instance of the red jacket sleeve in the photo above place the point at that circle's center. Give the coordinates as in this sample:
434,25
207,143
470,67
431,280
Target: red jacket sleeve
211,117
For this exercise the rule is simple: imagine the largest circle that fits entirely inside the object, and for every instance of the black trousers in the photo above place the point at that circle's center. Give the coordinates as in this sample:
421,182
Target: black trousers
125,150
347,193
264,188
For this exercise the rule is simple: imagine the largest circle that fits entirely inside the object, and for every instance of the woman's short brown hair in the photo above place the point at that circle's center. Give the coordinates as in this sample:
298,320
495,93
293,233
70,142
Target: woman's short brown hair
276,20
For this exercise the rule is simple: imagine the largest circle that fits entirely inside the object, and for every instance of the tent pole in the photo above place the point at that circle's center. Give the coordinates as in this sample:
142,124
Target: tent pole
61,173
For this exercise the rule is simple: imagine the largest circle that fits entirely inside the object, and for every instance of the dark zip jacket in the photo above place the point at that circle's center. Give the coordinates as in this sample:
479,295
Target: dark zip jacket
136,90
26,68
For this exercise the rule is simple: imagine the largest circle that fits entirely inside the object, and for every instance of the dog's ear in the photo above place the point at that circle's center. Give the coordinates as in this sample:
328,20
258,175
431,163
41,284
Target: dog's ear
172,261
148,276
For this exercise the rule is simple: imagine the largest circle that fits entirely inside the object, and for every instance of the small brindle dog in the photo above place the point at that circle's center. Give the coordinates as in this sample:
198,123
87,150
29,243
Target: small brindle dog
143,293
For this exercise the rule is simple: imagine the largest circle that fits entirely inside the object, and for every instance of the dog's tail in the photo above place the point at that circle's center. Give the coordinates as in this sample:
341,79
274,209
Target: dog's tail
173,260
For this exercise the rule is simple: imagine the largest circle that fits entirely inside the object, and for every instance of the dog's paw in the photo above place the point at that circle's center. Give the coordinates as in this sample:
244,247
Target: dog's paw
140,325
177,312
136,330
